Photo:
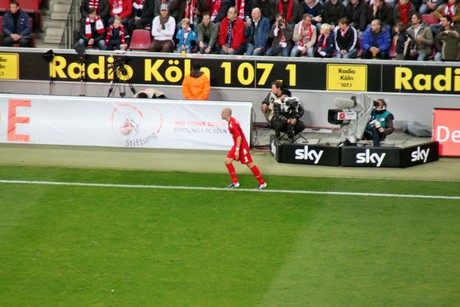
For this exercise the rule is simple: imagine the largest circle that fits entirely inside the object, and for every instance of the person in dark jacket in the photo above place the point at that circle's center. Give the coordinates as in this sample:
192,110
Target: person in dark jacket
256,31
267,7
142,14
325,45
102,7
382,11
346,40
16,27
333,10
92,31
281,35
117,37
356,12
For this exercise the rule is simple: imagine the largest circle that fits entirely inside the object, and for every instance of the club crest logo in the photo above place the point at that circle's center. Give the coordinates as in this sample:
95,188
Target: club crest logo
135,127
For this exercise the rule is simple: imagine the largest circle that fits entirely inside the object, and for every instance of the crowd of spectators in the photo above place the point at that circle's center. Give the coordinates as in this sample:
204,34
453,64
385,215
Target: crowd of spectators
310,28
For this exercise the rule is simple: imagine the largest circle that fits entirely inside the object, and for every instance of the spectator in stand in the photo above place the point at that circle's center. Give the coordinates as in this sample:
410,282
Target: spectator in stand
356,12
163,28
401,41
122,9
447,41
186,37
333,10
142,14
267,7
429,6
315,9
325,47
157,9
256,31
290,9
191,9
304,36
231,34
102,7
243,9
376,41
92,31
346,39
382,11
451,9
16,27
281,35
117,37
403,11
421,39
207,35
218,10
196,86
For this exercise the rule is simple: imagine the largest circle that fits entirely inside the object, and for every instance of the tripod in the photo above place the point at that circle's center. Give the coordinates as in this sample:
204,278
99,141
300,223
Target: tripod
82,63
290,135
118,68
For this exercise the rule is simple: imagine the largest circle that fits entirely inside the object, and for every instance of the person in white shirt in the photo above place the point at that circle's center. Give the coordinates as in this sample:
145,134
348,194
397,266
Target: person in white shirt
163,28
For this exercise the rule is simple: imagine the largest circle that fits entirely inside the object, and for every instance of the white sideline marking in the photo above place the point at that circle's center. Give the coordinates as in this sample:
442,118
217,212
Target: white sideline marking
141,186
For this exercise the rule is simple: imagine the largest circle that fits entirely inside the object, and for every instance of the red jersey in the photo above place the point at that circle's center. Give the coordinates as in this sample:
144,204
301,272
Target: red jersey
235,130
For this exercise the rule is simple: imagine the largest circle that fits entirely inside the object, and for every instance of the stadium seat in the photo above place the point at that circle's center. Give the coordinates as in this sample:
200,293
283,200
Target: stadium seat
140,40
4,5
429,19
32,7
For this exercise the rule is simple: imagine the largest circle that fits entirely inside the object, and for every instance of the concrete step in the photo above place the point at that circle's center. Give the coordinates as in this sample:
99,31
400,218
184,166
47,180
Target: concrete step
61,8
59,16
52,31
53,24
52,40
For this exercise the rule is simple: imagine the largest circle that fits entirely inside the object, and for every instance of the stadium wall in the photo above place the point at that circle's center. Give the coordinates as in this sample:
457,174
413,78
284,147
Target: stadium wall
413,89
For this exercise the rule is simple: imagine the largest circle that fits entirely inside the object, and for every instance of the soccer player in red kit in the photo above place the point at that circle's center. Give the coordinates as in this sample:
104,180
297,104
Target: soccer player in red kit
239,152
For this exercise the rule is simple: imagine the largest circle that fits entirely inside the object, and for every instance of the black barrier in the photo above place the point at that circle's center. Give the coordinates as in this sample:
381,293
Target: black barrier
305,153
370,156
237,72
420,154
314,154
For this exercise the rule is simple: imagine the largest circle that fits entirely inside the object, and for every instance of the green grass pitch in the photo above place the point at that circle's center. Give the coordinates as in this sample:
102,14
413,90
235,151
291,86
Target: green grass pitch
137,246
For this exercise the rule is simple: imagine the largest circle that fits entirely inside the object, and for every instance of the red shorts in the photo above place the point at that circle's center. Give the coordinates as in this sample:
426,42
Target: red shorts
245,155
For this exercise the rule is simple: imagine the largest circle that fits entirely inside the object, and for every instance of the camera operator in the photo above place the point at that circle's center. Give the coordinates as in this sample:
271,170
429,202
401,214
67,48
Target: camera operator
269,101
380,124
287,115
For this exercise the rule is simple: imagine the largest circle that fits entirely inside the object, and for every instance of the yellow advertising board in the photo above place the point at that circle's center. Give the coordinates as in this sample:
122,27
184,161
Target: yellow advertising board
342,77
9,66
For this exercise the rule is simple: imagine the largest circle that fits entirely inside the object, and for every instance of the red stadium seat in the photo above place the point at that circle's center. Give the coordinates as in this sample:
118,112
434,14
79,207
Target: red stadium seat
4,5
32,7
429,19
140,40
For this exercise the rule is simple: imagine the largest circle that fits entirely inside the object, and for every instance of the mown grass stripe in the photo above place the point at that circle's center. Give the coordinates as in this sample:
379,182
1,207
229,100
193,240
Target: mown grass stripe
141,186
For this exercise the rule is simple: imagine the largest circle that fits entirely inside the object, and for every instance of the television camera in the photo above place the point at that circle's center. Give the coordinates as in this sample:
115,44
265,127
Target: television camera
291,109
352,115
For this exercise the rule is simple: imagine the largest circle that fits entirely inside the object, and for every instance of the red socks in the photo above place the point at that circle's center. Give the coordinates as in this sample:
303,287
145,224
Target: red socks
231,171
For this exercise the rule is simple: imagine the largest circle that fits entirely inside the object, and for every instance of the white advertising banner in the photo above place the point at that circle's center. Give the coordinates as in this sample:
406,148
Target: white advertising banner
119,122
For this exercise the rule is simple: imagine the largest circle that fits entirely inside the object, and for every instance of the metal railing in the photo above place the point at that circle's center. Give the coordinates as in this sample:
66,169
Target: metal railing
72,26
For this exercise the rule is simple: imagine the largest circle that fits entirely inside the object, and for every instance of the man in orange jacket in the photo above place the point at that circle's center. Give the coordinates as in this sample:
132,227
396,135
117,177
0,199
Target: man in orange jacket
196,86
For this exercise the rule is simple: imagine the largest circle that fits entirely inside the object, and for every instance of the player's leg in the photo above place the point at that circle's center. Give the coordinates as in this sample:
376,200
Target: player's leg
255,170
232,172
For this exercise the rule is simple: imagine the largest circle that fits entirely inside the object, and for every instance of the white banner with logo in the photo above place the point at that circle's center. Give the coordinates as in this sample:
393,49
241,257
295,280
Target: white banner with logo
119,122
